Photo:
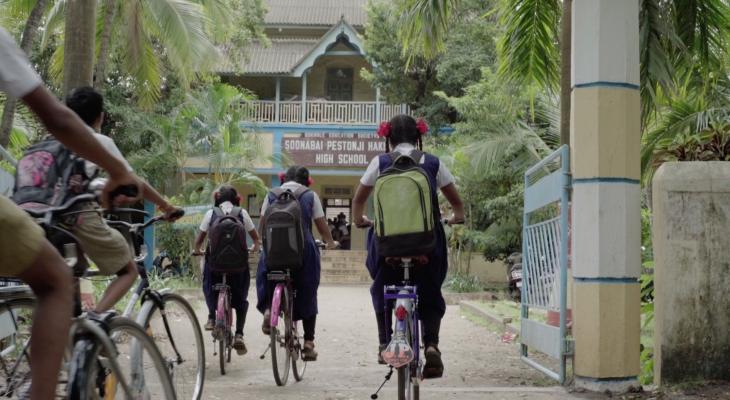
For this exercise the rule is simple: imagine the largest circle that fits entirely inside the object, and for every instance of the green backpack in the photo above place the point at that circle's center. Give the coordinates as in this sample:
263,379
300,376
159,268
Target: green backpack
404,209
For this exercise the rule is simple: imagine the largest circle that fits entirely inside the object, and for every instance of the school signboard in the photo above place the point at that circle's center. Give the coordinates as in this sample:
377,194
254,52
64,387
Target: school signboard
333,150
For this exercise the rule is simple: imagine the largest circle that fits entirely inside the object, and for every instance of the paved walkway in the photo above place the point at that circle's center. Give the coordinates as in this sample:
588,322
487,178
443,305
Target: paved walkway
478,365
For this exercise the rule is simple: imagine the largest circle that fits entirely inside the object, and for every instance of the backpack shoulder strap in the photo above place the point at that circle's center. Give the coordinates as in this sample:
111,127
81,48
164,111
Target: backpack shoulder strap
301,191
236,212
416,155
218,212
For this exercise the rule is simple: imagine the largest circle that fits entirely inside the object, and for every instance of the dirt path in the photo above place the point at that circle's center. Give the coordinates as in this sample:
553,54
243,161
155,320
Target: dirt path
478,364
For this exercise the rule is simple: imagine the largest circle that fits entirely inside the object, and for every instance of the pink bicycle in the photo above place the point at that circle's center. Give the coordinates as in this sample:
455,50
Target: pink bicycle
285,340
223,330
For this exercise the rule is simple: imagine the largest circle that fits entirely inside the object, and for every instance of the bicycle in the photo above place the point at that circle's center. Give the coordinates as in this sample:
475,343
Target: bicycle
285,342
223,328
169,319
403,351
97,341
16,319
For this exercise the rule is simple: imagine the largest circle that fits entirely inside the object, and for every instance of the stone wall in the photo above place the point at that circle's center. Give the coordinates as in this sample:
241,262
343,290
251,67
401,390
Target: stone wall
691,234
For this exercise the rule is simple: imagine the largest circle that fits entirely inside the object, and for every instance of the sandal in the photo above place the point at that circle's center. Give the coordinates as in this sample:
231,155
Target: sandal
308,352
434,367
210,325
239,345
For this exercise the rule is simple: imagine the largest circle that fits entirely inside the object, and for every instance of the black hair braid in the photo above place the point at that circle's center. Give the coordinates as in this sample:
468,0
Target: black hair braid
403,129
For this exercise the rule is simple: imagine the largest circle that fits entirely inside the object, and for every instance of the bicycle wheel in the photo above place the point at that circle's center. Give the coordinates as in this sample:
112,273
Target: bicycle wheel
280,354
222,317
405,383
178,336
16,320
298,365
141,367
222,352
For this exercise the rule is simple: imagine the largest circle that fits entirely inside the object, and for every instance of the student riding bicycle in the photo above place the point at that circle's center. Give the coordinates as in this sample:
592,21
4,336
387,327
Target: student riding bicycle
104,245
24,251
404,135
226,201
306,281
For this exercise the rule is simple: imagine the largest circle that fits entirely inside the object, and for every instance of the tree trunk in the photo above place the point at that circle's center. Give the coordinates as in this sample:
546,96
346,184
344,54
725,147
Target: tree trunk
565,71
79,44
104,44
26,44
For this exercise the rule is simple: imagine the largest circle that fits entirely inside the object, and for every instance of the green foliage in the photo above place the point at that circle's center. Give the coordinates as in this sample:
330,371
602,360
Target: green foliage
488,153
413,79
528,49
463,283
424,26
176,240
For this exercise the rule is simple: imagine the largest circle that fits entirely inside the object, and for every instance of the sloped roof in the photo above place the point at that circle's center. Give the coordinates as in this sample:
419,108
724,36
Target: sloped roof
315,12
293,55
279,58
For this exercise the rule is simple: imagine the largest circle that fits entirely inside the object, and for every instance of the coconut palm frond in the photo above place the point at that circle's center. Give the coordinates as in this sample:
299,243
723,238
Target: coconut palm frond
529,46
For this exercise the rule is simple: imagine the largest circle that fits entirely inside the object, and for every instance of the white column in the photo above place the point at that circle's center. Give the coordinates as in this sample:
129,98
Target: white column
377,105
606,220
278,99
304,97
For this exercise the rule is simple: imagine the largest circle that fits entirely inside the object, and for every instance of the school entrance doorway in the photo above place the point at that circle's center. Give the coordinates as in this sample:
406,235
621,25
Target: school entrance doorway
337,212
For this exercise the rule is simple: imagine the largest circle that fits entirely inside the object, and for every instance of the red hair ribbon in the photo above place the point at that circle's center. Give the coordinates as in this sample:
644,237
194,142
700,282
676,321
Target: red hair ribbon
282,177
384,129
310,181
422,126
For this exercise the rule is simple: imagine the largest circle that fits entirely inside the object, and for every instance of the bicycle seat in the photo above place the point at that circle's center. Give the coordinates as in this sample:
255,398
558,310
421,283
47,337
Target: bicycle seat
417,260
38,210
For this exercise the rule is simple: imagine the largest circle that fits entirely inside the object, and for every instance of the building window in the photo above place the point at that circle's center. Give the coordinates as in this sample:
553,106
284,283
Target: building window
338,85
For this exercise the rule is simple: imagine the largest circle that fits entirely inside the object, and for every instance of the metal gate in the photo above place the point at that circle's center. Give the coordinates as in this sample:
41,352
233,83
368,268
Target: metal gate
545,263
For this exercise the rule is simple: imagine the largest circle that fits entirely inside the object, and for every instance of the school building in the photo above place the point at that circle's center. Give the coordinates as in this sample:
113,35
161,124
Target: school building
313,108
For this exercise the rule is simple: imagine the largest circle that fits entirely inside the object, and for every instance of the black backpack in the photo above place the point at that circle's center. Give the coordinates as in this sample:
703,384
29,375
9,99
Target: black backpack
42,174
282,232
227,247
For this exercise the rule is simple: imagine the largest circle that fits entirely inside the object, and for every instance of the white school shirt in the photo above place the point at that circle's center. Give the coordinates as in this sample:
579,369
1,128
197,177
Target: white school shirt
443,178
317,210
227,207
111,147
17,78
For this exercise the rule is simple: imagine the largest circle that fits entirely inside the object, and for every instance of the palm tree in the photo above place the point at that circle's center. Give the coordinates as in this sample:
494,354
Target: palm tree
146,38
79,44
678,35
215,116
26,44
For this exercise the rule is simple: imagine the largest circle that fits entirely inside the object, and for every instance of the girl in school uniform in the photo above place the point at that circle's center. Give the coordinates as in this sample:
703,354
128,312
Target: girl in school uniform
227,200
403,134
306,281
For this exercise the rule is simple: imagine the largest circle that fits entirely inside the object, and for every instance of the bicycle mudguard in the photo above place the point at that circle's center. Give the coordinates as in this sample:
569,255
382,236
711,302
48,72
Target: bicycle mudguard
276,304
84,354
398,353
220,311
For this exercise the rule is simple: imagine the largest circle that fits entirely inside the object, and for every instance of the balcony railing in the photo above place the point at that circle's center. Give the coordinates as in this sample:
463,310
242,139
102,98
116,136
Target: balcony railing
323,112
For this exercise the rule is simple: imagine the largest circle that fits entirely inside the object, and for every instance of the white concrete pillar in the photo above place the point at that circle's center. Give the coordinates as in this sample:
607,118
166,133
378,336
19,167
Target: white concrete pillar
304,97
377,105
278,99
605,145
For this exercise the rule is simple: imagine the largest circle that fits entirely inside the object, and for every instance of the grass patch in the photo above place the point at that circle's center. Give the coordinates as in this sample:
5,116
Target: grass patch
463,283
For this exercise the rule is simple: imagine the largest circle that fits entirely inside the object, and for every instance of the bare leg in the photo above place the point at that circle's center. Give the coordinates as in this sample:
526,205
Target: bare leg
117,289
50,279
